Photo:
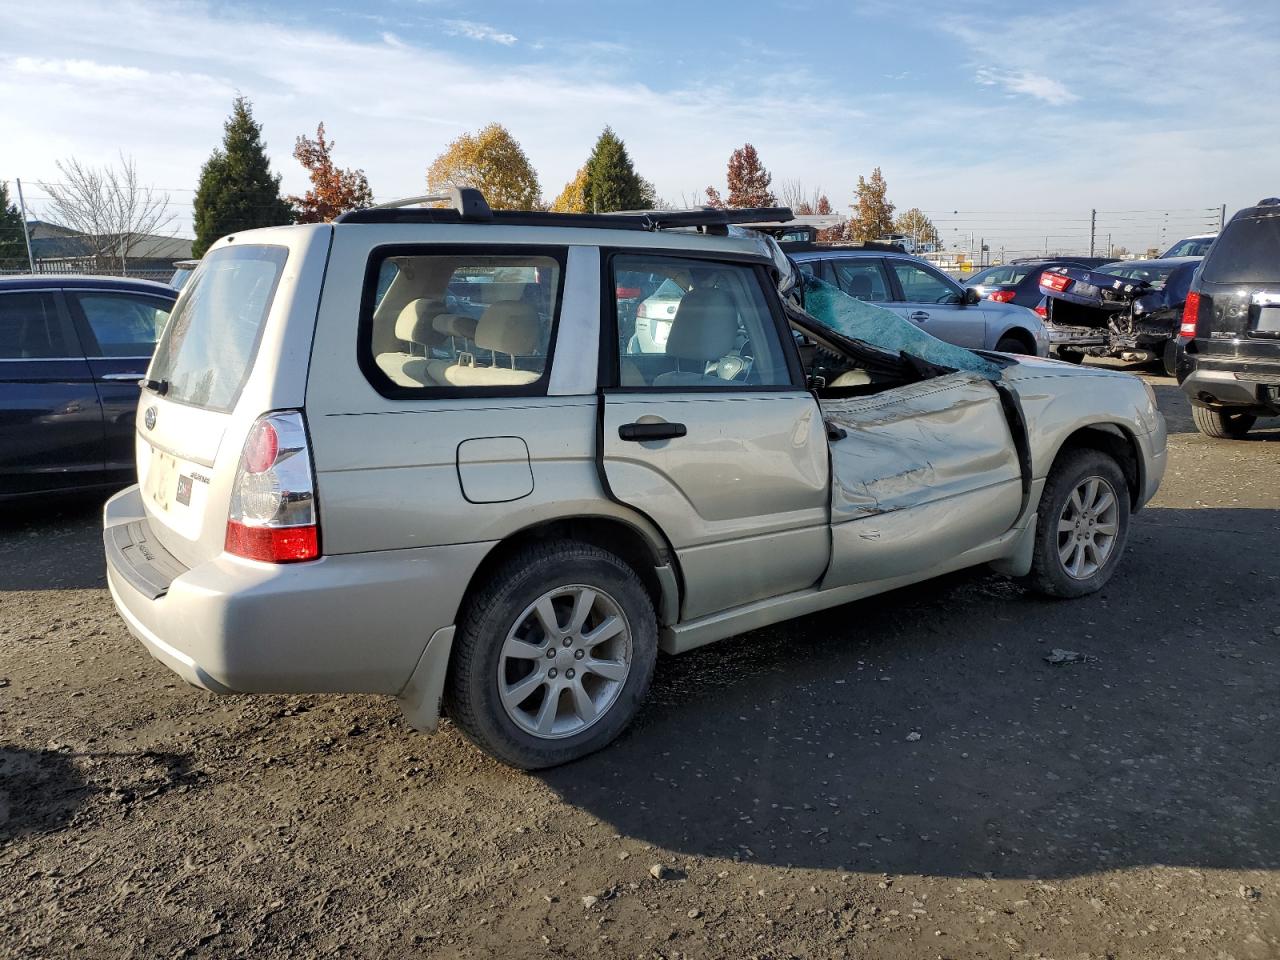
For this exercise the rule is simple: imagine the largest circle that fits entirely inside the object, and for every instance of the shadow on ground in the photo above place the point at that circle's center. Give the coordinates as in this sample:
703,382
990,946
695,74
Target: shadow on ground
41,790
797,745
73,523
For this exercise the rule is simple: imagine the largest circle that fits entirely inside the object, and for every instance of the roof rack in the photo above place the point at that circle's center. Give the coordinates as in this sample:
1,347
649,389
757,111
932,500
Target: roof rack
468,205
797,246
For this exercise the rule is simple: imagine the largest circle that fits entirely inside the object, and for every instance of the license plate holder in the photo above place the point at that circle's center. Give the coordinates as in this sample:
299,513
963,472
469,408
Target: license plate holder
1268,324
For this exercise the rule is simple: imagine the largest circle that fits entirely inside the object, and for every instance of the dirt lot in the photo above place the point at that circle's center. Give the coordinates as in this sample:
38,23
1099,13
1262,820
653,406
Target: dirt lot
1124,807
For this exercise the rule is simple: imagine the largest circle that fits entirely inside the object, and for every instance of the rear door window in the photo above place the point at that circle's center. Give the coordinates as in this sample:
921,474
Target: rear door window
208,347
1247,251
30,328
863,278
121,324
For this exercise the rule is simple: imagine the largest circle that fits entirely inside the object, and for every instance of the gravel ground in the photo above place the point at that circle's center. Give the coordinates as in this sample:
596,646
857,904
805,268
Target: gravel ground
903,777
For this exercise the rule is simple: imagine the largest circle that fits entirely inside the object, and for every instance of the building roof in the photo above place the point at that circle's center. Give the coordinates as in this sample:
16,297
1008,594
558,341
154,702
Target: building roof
51,241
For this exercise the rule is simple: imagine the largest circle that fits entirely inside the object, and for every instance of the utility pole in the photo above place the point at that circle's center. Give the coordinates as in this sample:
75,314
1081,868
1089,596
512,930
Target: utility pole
1093,229
1108,245
1222,218
26,234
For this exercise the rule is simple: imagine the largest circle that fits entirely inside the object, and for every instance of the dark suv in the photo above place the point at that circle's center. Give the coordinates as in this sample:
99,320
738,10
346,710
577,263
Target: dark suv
1228,355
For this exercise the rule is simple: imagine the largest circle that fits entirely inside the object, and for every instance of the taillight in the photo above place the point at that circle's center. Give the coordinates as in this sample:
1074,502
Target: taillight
1001,296
1057,282
273,501
1190,314
1042,311
627,293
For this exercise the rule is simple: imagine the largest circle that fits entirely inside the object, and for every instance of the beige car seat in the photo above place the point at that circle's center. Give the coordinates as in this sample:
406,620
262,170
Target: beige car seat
506,327
703,331
414,326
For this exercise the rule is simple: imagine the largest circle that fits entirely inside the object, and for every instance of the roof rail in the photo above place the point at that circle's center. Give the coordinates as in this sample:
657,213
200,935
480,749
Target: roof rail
797,246
467,205
468,202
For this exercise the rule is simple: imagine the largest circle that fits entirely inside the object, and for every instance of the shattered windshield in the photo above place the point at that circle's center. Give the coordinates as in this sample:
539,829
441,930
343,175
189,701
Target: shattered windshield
884,329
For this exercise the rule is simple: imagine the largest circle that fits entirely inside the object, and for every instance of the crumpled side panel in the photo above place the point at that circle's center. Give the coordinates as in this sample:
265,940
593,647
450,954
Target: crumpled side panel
885,329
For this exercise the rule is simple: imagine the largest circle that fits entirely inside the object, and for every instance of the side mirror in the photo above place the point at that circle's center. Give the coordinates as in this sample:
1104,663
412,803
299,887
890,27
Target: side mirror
970,297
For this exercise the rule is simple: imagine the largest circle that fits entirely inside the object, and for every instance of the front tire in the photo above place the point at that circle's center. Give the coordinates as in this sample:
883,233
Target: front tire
1081,525
1070,356
1221,424
554,655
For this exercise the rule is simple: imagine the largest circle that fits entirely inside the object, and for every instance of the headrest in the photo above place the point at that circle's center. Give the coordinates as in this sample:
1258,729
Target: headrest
705,326
455,325
860,286
508,326
414,320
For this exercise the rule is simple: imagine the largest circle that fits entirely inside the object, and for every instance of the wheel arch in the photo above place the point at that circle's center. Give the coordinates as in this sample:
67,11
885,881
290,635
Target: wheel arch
1021,334
1117,442
646,551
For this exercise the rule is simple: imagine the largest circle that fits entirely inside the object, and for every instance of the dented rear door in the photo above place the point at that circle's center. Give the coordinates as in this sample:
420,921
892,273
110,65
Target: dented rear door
921,474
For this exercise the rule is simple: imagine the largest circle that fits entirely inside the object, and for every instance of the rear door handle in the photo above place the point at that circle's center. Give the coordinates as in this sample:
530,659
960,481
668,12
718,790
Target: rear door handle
918,316
132,377
651,431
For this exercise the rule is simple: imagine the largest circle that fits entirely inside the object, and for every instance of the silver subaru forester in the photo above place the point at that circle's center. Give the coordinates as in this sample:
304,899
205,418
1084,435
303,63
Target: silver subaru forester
411,453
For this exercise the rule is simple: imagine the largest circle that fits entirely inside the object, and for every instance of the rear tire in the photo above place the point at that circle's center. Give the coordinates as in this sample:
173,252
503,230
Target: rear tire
1221,424
530,681
1081,525
1009,344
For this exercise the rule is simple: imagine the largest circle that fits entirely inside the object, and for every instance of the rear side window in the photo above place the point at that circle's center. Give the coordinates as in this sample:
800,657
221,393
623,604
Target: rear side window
208,347
1247,251
460,321
1008,274
30,328
121,324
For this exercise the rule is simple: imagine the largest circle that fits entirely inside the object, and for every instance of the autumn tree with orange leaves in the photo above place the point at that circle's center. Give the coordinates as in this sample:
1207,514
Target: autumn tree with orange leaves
749,180
333,191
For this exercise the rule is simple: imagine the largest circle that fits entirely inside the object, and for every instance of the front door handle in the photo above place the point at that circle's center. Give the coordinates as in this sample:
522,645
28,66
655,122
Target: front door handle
131,377
919,316
651,431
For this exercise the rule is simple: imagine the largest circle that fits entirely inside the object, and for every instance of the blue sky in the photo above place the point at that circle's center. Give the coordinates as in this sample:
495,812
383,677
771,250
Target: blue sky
1010,120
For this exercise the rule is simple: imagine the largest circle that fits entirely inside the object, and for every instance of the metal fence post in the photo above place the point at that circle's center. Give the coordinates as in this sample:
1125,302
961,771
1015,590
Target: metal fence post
26,233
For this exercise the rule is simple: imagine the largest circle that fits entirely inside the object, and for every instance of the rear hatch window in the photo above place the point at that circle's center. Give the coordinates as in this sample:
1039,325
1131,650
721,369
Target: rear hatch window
1247,251
207,350
203,360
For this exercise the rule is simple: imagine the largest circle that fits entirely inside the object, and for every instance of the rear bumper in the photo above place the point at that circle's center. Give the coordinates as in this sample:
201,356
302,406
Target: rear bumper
1229,381
354,623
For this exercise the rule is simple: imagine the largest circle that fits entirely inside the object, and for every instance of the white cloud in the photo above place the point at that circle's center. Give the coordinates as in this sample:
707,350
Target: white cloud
478,31
1031,84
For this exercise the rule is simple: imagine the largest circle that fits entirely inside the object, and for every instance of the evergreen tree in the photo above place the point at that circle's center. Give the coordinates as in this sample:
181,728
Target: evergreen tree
237,189
13,246
612,182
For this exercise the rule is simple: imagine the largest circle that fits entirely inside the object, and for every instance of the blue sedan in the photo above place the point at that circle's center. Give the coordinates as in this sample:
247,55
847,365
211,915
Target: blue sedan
71,352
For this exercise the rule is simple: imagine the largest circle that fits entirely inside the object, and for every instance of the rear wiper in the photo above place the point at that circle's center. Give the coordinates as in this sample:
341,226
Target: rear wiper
160,387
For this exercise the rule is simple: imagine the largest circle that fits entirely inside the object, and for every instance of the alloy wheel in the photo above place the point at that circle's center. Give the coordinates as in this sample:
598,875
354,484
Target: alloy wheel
1087,527
564,662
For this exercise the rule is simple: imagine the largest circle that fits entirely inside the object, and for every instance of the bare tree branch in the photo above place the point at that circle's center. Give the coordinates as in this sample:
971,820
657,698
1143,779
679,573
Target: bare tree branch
111,208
